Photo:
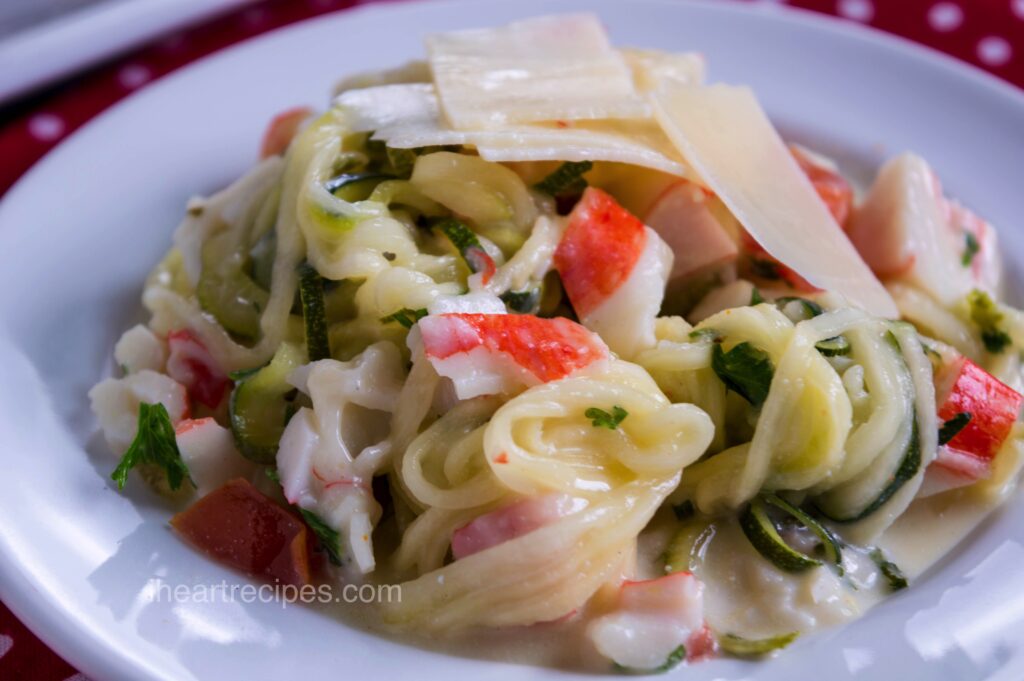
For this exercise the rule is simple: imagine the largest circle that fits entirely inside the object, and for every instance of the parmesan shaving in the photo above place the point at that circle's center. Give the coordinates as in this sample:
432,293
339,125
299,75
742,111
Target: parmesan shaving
416,71
409,116
725,136
544,69
651,68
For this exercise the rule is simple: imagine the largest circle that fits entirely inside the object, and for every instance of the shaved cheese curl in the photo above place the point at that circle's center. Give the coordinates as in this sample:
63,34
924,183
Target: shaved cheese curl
725,135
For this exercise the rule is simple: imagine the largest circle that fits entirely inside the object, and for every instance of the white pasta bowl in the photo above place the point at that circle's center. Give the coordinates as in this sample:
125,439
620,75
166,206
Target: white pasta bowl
84,566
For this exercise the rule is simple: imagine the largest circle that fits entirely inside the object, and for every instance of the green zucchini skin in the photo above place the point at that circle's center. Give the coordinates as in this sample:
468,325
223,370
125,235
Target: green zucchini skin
910,464
809,308
833,548
685,551
746,647
523,302
567,178
833,347
252,448
761,532
225,290
314,315
464,240
893,574
259,410
353,187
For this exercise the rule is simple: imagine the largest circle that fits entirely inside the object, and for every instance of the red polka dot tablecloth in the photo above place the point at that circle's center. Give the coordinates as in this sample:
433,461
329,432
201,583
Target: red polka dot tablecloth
986,33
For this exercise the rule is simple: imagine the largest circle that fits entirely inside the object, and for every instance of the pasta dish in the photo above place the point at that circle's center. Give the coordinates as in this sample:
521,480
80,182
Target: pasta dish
568,343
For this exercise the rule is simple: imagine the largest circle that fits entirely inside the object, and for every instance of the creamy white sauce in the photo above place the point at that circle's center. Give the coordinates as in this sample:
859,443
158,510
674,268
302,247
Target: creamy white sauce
744,593
932,526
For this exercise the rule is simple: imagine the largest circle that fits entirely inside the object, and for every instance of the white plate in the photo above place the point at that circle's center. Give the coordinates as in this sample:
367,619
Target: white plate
63,41
80,231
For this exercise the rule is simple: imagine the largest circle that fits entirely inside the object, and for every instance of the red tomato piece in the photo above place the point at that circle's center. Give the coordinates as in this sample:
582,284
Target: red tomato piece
601,245
239,526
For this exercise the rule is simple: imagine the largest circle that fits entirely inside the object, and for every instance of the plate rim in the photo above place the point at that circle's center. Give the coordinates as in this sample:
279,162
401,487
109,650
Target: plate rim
62,627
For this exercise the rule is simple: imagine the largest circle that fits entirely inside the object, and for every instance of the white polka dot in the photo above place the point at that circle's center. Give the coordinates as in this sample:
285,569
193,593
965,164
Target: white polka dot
858,10
994,51
6,643
134,75
1018,8
945,16
45,127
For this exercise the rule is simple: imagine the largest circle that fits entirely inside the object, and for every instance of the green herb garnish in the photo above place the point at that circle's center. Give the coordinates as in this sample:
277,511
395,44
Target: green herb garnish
406,316
987,317
329,538
522,302
154,444
672,661
892,573
746,370
705,334
953,426
971,249
755,297
566,179
599,418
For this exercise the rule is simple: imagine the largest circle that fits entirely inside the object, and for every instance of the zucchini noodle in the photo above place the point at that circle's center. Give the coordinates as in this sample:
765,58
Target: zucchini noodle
544,379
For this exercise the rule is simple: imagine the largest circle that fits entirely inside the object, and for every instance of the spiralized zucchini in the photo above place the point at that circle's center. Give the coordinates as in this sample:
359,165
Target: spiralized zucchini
775,399
539,443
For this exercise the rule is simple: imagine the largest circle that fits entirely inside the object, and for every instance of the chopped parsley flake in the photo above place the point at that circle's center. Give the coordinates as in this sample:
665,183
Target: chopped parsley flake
154,444
746,370
987,317
329,538
599,418
406,316
971,248
953,426
892,573
672,661
566,179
